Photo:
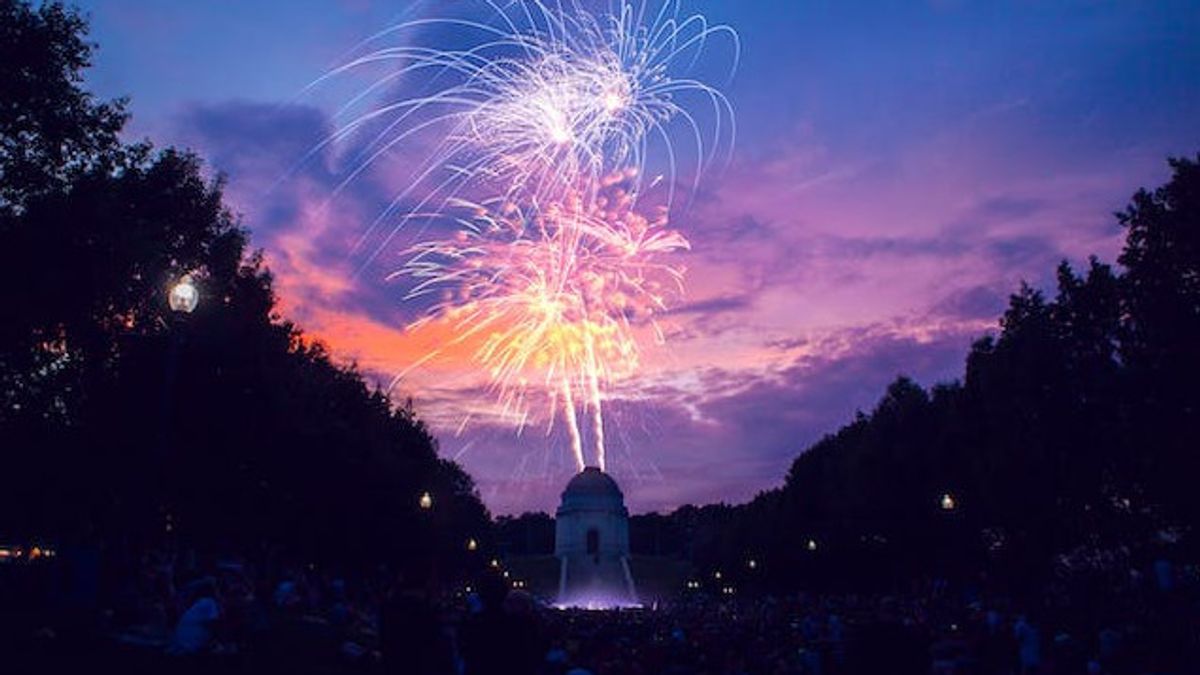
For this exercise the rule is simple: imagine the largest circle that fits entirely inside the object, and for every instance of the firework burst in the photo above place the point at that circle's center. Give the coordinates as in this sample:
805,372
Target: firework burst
536,135
553,297
542,100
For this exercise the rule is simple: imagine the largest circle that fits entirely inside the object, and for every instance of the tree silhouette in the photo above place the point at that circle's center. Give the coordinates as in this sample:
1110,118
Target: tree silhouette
1160,293
50,128
1072,427
225,427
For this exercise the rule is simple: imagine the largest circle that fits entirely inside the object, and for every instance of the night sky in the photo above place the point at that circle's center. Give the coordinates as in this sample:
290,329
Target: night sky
900,167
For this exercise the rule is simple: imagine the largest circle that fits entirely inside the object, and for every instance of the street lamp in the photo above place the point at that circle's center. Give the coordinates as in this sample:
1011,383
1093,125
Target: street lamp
948,502
184,296
426,501
812,544
472,545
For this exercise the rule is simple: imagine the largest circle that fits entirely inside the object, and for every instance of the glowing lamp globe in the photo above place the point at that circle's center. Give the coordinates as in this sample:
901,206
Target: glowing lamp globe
426,501
948,502
184,296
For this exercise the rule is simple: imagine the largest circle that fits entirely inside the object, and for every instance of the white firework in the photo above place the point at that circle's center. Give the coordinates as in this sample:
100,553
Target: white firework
543,100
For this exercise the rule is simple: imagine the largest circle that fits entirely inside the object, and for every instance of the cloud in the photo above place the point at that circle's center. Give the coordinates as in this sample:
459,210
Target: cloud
977,302
714,305
735,433
811,284
874,217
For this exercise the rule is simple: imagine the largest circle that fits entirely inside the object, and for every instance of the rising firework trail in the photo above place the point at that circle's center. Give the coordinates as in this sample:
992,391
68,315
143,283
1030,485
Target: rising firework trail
535,133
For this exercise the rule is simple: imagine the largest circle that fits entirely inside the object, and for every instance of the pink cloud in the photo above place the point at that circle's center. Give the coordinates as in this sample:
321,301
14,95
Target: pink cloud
814,279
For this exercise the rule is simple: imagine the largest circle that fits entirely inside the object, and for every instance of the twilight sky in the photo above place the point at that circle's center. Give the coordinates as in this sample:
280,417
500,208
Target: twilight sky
900,167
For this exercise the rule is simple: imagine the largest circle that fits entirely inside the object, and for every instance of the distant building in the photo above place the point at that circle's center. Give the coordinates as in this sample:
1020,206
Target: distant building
591,540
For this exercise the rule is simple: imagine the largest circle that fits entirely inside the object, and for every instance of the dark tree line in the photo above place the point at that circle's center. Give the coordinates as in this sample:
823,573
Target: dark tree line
1073,429
123,420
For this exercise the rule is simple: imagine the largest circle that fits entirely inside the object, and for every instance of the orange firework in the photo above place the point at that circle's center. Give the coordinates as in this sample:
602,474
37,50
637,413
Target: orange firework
552,297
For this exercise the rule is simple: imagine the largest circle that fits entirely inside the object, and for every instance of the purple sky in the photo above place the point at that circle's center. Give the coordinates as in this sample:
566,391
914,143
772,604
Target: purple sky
899,168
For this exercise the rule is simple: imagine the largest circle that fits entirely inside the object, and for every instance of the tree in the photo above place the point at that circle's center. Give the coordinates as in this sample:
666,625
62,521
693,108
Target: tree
1073,427
1161,304
226,427
50,128
1162,278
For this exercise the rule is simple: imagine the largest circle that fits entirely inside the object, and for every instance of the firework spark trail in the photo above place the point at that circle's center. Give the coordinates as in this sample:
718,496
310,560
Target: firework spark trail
540,131
553,296
548,99
597,414
572,426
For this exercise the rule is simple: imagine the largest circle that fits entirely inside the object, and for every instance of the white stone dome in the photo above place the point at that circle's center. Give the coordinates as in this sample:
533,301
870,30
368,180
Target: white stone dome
592,543
592,489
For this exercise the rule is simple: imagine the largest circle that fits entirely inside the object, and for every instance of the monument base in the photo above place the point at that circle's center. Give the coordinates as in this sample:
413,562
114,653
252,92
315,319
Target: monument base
591,543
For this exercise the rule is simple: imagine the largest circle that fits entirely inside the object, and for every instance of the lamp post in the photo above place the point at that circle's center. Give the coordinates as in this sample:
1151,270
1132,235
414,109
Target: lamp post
949,546
425,504
183,296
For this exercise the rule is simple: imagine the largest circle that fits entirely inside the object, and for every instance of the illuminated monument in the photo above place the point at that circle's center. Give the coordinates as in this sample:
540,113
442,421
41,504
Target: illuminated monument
591,540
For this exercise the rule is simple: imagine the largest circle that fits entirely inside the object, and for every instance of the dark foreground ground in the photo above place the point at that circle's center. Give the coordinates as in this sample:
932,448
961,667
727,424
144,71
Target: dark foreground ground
164,615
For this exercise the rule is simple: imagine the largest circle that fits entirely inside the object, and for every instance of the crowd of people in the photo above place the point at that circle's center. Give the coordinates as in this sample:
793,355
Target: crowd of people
933,629
157,611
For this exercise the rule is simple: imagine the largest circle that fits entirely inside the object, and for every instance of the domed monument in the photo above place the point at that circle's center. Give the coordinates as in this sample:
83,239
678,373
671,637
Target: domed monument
591,540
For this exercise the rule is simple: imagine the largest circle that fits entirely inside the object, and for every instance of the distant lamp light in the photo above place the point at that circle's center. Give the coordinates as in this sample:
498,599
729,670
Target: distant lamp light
811,545
495,564
426,501
184,295
948,502
472,545
752,564
717,575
